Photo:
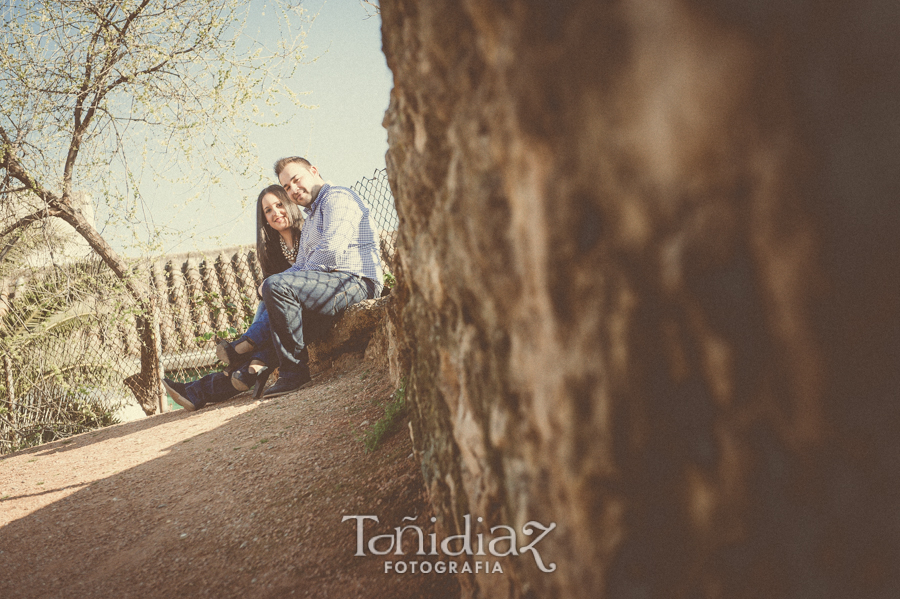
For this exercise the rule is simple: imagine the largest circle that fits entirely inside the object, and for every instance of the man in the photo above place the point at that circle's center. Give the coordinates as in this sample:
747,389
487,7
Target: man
338,264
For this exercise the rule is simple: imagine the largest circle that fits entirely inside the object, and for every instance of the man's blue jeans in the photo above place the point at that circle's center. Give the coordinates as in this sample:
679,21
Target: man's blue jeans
294,297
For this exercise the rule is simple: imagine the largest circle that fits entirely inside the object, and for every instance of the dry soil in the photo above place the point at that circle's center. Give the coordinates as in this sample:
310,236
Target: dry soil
241,499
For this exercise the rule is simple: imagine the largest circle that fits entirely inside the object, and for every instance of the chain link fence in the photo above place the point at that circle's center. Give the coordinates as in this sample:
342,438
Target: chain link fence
68,335
376,192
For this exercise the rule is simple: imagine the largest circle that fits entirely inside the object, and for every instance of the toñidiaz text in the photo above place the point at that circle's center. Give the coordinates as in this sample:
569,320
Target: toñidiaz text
498,546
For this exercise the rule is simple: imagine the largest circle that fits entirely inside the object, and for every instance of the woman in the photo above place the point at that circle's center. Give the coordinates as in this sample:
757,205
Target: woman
278,225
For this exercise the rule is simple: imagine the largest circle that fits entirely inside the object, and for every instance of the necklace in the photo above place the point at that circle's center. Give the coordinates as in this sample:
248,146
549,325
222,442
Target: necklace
289,253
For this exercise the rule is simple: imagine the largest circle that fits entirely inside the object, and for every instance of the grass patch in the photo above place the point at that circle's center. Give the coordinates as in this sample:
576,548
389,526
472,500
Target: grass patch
394,411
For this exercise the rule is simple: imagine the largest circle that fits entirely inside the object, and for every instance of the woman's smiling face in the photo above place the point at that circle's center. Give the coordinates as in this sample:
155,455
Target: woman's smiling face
275,212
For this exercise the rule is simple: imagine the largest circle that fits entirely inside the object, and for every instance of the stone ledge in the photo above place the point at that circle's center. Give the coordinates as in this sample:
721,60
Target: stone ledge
350,332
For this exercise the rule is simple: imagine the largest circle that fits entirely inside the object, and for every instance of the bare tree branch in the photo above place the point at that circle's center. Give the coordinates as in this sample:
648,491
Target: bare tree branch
373,5
31,218
8,247
112,57
14,190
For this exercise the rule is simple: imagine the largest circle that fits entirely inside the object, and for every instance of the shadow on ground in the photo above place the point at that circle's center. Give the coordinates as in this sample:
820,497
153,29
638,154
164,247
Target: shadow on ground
242,500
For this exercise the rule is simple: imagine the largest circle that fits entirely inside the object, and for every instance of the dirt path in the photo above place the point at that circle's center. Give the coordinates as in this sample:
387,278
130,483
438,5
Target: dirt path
243,499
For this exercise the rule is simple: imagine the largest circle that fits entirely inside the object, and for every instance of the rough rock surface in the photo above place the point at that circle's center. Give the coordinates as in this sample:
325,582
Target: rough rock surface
350,332
649,254
369,328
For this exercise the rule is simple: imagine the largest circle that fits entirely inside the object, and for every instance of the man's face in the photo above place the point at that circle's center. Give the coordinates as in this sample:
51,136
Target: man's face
302,184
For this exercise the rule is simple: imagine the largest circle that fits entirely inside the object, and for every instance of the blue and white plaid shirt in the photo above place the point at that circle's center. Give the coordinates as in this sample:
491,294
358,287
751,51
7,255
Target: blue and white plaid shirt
340,235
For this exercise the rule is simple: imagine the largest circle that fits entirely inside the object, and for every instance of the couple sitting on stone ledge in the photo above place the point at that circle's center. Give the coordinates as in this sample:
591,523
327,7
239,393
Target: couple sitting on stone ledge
311,270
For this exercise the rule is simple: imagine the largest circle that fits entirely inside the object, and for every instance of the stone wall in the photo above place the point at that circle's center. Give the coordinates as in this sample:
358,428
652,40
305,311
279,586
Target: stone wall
649,254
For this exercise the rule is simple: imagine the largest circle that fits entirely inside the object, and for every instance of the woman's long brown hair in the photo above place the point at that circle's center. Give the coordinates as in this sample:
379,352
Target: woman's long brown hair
268,247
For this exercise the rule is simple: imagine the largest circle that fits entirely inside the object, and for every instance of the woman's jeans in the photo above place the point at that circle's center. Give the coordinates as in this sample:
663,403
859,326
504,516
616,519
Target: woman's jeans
217,385
260,335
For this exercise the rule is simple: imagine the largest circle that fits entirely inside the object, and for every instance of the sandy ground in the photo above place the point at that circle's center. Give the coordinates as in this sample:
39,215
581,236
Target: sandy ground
242,499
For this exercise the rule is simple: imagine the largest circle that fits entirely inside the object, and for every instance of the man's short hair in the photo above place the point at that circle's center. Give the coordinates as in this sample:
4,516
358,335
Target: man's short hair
283,162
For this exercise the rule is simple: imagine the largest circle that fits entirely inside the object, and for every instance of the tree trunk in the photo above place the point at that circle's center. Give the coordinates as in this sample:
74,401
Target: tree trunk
146,385
652,249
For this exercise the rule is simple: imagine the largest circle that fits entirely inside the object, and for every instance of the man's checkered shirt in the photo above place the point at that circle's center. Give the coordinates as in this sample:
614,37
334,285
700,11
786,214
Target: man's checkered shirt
340,235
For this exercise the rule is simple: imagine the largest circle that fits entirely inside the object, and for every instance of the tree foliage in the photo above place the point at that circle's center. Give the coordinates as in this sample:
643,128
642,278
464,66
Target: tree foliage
95,92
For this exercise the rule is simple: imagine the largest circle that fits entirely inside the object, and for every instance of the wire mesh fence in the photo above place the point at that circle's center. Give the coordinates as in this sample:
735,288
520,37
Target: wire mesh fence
68,334
376,192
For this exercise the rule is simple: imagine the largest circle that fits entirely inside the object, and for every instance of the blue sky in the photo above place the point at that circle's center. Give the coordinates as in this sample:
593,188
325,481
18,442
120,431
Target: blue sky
348,81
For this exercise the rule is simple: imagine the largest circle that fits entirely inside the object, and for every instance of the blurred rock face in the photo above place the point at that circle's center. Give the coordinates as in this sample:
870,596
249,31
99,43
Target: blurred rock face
649,253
